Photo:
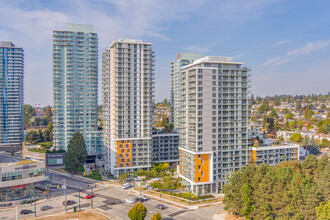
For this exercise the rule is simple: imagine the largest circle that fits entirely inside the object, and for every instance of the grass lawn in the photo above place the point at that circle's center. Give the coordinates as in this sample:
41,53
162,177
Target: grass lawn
95,175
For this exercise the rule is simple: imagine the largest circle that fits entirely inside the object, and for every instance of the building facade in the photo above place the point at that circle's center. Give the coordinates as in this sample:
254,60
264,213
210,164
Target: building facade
182,59
273,155
75,81
214,122
165,148
11,96
18,179
128,86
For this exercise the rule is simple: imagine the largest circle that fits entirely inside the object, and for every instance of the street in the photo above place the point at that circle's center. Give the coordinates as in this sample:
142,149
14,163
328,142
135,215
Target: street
110,201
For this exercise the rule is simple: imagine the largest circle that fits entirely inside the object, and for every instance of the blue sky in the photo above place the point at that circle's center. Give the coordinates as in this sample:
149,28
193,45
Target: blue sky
286,43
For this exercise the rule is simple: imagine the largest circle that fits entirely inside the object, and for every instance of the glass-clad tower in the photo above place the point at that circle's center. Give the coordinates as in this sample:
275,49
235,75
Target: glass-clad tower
11,96
128,94
75,81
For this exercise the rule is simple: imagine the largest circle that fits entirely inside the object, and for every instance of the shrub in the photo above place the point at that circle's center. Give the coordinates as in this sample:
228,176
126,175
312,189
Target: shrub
138,212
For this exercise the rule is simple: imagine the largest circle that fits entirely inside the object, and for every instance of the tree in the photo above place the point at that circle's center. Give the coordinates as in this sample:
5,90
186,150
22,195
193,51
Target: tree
286,126
137,212
122,177
271,124
264,107
308,113
33,137
48,113
273,114
325,143
312,142
247,201
157,216
29,112
277,102
323,211
76,153
306,140
323,107
296,137
288,116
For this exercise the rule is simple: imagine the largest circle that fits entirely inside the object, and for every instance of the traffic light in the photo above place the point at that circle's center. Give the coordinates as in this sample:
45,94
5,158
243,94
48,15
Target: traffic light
84,173
109,187
58,186
90,172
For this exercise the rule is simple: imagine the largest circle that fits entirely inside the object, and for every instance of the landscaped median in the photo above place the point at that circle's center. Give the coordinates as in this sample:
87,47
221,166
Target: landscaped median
183,198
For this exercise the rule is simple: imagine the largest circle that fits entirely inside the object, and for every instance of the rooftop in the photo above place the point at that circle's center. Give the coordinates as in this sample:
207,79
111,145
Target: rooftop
86,28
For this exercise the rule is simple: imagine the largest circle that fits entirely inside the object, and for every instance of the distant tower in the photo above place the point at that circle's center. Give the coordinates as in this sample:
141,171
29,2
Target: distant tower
75,81
11,95
182,59
128,86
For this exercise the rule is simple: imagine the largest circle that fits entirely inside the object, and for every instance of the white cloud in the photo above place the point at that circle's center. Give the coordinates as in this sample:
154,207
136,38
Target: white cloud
282,42
308,48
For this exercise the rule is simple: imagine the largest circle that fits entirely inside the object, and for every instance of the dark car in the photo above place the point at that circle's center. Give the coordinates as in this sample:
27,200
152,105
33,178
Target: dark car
69,202
46,207
141,199
25,212
160,206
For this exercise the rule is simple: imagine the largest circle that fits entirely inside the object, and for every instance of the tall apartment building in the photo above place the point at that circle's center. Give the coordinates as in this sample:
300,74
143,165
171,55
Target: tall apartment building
75,81
11,96
128,86
182,59
214,122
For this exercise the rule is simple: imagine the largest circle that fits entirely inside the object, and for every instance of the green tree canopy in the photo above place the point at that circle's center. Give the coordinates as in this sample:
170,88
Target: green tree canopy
291,190
76,153
156,216
296,137
137,212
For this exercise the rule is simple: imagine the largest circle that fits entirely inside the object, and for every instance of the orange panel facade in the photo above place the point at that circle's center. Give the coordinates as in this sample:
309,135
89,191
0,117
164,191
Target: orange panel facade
202,164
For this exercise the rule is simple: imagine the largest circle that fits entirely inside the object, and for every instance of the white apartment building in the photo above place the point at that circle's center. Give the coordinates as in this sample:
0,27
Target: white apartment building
273,155
128,86
214,122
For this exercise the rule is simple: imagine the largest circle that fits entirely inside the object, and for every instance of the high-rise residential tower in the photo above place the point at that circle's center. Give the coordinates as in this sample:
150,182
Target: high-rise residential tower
182,59
75,81
11,96
214,122
128,86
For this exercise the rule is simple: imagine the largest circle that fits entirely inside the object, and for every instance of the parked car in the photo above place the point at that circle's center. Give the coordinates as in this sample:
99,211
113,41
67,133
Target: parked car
160,206
25,212
144,198
46,207
156,179
141,199
131,201
69,202
89,196
149,187
126,186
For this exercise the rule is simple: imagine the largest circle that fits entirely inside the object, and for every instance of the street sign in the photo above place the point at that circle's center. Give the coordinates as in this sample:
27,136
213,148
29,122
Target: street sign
63,186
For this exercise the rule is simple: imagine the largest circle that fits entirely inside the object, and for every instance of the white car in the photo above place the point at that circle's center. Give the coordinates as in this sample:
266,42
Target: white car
131,201
156,179
126,186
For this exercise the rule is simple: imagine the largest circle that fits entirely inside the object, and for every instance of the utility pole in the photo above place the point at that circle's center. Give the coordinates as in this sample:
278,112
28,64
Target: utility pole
16,212
35,203
46,187
140,188
189,193
134,178
64,187
92,195
79,197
